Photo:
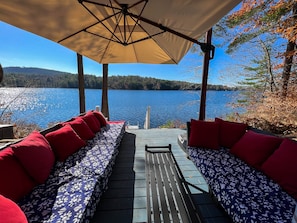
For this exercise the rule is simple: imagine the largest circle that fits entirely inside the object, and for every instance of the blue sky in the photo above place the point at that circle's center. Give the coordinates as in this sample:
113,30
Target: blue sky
24,49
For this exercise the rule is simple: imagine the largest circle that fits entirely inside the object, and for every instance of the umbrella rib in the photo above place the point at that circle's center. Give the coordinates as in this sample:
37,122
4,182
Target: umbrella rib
101,21
167,29
148,37
131,6
124,10
109,39
137,3
73,34
100,4
98,21
118,19
205,47
137,20
103,54
115,15
118,27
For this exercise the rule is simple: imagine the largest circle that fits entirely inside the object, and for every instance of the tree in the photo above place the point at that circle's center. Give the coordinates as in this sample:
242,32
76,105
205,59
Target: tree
270,28
257,19
259,72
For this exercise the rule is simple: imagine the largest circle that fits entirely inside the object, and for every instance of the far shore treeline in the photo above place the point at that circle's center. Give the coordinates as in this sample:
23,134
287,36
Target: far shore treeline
43,78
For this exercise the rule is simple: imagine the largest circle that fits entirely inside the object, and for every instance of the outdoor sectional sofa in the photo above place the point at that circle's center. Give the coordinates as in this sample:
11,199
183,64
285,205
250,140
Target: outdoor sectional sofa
59,174
251,174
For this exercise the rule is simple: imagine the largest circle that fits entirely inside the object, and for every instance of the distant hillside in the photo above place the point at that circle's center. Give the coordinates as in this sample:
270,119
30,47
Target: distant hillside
30,70
44,78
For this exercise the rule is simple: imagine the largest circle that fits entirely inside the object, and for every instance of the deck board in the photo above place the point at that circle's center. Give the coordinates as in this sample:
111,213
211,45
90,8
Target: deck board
126,199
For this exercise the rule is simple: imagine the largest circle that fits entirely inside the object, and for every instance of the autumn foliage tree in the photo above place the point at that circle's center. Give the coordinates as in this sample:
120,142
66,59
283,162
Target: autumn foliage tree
256,18
261,21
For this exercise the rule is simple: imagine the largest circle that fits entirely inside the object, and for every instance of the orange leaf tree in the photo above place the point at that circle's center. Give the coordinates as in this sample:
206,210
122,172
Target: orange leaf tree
261,18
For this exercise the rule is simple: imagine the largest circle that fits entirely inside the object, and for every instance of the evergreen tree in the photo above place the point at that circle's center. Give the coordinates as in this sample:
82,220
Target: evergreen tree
259,19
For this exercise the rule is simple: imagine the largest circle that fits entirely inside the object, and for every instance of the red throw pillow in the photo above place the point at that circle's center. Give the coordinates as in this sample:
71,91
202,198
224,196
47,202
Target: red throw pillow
81,128
10,212
254,148
92,122
64,142
100,117
35,155
230,132
14,181
204,134
281,166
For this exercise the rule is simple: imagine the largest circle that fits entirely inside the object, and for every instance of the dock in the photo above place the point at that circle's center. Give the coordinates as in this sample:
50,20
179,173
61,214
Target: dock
126,197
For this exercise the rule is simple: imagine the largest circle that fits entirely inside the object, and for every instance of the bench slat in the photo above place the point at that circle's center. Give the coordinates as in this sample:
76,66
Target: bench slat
152,192
167,188
168,200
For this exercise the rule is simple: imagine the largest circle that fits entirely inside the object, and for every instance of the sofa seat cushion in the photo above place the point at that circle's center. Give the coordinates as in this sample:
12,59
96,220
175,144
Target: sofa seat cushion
245,193
75,186
10,212
35,155
15,182
64,198
99,155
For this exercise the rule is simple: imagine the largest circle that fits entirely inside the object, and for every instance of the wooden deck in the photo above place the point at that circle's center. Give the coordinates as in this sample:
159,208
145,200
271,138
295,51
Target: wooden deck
126,197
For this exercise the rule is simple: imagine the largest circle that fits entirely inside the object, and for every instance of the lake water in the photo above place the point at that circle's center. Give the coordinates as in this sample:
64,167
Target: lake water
48,105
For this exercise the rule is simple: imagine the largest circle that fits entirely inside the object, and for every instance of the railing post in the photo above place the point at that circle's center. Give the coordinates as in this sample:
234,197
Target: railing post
147,118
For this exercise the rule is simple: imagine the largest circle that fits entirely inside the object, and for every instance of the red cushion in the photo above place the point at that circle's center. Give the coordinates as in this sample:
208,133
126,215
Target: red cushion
230,132
281,166
64,142
254,148
92,121
101,118
35,155
81,128
14,181
10,212
204,134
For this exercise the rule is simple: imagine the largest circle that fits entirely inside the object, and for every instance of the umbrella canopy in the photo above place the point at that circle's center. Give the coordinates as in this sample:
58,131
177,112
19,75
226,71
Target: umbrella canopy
119,31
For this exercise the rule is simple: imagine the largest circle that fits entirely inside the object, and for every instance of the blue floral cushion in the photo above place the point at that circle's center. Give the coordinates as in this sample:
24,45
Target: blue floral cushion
74,187
246,194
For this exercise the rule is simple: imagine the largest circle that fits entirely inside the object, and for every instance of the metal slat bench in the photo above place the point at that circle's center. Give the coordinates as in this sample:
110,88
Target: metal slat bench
168,194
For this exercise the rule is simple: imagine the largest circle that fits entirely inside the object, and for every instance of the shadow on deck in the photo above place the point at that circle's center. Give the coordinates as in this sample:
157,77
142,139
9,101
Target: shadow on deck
126,197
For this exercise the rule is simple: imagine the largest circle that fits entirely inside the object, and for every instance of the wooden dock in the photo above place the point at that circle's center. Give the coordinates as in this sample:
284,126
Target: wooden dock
126,197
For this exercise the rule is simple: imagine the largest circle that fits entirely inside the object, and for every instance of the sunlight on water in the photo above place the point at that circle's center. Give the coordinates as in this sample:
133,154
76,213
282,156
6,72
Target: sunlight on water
44,106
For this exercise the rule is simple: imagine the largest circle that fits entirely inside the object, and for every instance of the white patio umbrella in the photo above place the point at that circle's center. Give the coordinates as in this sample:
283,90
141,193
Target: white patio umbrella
120,31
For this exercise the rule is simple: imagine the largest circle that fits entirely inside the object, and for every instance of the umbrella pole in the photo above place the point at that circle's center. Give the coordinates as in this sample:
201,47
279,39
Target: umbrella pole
205,77
104,102
81,84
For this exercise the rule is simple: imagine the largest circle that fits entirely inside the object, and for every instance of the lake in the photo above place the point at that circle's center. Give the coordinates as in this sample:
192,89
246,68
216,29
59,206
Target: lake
47,105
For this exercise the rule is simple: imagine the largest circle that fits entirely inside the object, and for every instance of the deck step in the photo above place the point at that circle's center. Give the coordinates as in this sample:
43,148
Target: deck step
168,195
